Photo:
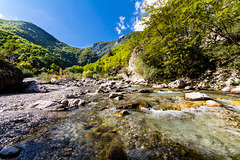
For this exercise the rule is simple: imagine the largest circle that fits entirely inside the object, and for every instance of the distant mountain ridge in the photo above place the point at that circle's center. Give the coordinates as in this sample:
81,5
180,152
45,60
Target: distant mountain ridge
68,55
103,47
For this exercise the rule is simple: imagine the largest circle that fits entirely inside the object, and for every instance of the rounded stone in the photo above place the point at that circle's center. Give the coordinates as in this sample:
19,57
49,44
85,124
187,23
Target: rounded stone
10,152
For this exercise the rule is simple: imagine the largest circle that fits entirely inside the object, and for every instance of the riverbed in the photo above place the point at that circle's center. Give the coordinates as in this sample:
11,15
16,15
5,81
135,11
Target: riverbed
168,127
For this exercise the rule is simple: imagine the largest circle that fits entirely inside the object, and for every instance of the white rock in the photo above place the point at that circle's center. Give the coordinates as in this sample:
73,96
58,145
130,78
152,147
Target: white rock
226,89
177,84
46,105
236,90
194,96
160,86
212,103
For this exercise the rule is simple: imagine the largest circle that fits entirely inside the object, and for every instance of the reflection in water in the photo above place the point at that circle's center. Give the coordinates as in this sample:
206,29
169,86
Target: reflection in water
97,131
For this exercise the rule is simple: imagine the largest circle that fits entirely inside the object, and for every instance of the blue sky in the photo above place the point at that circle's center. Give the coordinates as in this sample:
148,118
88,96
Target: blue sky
78,23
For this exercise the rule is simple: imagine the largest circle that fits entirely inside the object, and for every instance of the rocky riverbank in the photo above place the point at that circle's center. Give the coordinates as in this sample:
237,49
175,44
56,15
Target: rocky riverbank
100,112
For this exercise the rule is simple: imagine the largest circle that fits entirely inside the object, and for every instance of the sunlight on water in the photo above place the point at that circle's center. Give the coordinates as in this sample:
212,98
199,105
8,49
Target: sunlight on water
157,132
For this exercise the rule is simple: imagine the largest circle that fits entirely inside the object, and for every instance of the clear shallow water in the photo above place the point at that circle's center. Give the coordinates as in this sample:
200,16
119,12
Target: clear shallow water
157,133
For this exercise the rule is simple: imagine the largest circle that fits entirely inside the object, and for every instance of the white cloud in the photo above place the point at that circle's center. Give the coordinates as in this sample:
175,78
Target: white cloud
137,25
1,16
121,25
118,30
122,19
137,7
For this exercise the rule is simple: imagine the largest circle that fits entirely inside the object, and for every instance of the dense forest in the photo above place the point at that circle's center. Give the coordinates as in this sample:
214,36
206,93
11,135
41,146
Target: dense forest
182,38
27,55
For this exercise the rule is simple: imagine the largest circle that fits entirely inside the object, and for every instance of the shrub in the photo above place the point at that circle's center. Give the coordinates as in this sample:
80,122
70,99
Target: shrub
87,74
27,73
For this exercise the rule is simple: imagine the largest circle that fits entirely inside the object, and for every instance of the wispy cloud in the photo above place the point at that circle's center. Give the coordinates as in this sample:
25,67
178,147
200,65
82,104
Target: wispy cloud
137,7
121,25
1,16
137,24
118,30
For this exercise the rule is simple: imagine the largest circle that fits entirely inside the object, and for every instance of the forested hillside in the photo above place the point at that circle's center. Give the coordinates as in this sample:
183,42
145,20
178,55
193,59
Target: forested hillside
101,48
68,55
183,38
25,54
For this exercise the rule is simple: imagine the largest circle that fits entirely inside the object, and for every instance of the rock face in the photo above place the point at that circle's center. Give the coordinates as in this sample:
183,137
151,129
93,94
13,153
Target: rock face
196,96
10,77
177,84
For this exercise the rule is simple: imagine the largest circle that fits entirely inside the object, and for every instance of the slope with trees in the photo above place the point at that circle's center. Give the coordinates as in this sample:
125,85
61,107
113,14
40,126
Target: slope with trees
183,38
68,55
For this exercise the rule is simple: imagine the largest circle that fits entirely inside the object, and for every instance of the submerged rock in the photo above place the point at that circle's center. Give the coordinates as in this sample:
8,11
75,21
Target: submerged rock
236,103
194,96
10,152
136,105
182,105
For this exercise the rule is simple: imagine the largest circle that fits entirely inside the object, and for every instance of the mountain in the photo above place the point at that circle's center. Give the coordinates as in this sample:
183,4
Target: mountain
25,54
101,48
68,55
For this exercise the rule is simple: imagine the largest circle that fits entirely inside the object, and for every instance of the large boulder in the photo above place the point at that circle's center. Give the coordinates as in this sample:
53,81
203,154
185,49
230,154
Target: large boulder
195,96
10,77
177,84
